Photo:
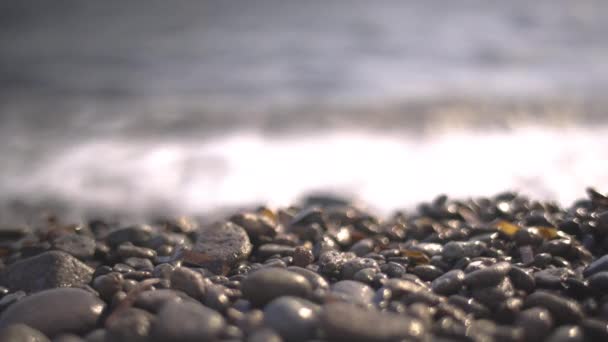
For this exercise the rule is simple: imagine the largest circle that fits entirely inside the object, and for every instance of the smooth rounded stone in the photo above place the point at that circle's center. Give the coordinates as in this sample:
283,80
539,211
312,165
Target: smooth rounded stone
428,248
595,329
219,247
216,298
348,322
316,280
295,319
353,292
163,271
97,335
363,247
366,275
13,232
599,281
128,250
68,338
393,269
45,271
108,284
495,295
354,265
522,279
137,235
455,250
536,322
129,325
10,299
567,333
190,282
427,272
264,335
331,262
79,246
563,310
448,283
154,300
479,264
489,276
21,333
269,249
140,263
187,322
303,256
62,310
262,286
596,266
470,306
507,311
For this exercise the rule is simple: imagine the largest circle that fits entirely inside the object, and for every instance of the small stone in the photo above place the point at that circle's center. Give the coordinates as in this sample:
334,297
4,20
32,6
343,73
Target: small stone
331,262
352,292
190,282
489,276
599,281
21,333
427,272
127,250
536,323
264,335
219,247
564,310
10,299
68,338
153,301
448,283
598,265
108,284
140,264
45,271
79,246
262,286
455,250
97,335
348,322
187,322
295,319
495,295
316,280
129,325
62,310
137,235
522,279
354,265
567,333
302,256
217,298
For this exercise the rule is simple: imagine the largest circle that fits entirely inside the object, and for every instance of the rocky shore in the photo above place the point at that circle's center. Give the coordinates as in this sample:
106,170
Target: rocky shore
505,268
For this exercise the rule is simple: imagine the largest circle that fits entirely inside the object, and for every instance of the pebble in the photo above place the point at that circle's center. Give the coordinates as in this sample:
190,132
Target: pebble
348,322
108,284
455,250
564,310
154,300
536,323
352,292
219,247
264,335
137,235
302,256
567,333
449,283
427,272
45,271
295,319
68,338
21,333
128,250
315,279
187,322
488,276
598,265
262,286
79,246
355,265
495,295
79,313
129,325
522,279
190,282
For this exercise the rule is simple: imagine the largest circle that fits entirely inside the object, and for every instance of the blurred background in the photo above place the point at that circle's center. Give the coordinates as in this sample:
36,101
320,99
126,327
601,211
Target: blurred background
191,106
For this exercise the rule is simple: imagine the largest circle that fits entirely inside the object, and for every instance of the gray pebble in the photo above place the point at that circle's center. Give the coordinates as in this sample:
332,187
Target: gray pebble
598,265
21,333
567,333
354,265
128,250
348,322
264,335
137,235
315,279
187,322
79,312
353,292
108,284
262,286
448,283
536,322
129,325
455,250
154,300
190,282
295,319
79,246
45,271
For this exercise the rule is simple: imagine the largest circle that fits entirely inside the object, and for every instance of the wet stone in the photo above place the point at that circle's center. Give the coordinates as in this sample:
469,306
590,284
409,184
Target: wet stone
187,322
45,271
153,301
316,280
129,325
137,235
352,292
331,262
536,323
190,282
354,265
21,333
427,272
567,333
270,249
564,310
522,279
295,319
79,246
496,295
448,283
262,286
489,276
140,264
80,311
108,284
219,247
598,265
127,250
302,256
454,250
348,322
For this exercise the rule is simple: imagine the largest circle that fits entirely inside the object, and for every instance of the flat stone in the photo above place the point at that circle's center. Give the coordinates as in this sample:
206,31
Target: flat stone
56,311
187,322
348,322
262,286
219,247
45,271
21,333
79,246
295,319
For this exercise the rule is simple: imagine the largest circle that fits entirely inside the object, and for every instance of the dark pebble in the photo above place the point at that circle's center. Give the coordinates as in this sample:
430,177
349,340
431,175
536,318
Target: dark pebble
154,300
21,333
295,319
128,250
45,271
79,311
567,333
137,235
129,325
262,286
108,284
348,322
598,265
187,322
269,249
219,247
68,338
354,265
448,283
496,295
302,256
316,280
536,322
190,282
564,310
522,279
455,250
489,276
427,272
79,246
353,292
